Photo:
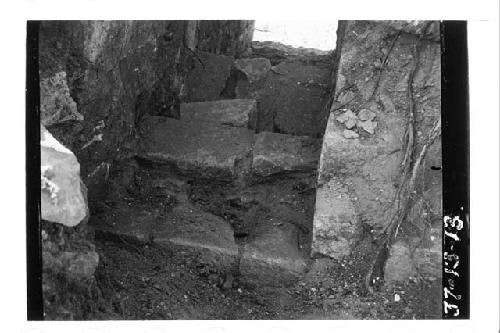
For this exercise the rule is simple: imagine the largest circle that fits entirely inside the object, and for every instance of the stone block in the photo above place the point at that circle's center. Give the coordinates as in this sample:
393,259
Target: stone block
196,149
276,153
231,112
405,261
399,266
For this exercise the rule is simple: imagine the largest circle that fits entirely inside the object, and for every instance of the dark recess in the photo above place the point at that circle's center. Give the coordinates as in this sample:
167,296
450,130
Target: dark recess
33,242
455,148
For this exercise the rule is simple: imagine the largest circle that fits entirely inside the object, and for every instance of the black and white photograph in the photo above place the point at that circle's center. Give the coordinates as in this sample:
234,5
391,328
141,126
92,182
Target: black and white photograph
210,170
249,169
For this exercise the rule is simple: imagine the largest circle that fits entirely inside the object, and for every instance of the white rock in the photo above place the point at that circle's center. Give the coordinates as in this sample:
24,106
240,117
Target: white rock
367,125
365,114
344,117
350,123
63,195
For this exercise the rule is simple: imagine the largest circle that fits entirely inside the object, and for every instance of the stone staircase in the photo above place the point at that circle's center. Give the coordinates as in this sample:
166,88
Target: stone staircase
215,143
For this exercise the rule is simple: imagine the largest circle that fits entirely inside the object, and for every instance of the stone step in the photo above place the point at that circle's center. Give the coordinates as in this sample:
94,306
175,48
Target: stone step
273,257
197,149
208,236
185,229
232,112
275,153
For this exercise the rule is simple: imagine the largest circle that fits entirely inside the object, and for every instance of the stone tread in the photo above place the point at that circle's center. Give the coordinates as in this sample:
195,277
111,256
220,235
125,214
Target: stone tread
197,148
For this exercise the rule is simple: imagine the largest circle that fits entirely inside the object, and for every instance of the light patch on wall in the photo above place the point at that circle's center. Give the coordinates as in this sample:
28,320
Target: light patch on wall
316,34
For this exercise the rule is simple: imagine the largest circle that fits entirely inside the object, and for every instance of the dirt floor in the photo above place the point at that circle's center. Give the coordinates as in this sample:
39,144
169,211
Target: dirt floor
145,282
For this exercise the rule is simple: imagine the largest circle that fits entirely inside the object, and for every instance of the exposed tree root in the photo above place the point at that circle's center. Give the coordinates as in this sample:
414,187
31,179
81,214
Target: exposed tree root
404,197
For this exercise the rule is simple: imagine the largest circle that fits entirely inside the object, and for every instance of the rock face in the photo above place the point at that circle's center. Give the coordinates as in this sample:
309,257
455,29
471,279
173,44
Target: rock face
233,37
363,146
207,79
57,105
115,72
98,79
63,197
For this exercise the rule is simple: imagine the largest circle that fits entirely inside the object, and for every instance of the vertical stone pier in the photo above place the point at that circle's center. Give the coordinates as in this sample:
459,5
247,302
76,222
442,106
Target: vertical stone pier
363,145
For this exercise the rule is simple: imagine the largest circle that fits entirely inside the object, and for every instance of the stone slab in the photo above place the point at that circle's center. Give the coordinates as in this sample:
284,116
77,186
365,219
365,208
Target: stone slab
276,153
273,257
207,79
232,112
196,149
208,236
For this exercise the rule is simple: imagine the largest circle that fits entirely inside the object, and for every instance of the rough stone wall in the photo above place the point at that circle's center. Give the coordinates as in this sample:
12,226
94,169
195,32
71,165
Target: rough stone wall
116,71
98,78
364,143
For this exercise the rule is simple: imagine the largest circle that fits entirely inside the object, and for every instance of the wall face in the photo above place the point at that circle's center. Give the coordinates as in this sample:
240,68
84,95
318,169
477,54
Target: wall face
365,141
97,80
231,38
